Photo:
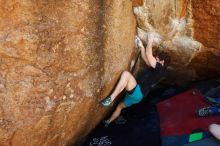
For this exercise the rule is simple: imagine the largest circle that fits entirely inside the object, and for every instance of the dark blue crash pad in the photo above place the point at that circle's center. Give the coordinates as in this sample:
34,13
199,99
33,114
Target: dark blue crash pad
205,142
137,126
140,124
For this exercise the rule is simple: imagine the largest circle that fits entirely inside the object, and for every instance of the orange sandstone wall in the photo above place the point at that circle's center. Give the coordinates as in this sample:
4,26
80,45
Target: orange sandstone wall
195,47
58,58
206,16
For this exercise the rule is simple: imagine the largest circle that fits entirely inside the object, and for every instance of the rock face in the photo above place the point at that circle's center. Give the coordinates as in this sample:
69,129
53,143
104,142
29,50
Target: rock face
57,60
191,35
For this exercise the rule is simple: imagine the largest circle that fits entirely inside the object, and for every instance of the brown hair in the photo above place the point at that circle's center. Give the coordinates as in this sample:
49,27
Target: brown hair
162,55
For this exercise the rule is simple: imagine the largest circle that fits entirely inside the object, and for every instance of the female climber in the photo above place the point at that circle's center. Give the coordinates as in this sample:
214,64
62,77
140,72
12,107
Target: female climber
136,90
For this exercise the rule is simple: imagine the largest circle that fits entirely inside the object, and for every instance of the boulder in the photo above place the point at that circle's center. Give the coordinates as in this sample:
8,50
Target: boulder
58,59
190,31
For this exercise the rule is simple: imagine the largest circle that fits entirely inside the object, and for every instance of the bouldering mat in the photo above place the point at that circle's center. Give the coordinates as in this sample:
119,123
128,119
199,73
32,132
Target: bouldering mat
137,126
205,142
178,140
177,114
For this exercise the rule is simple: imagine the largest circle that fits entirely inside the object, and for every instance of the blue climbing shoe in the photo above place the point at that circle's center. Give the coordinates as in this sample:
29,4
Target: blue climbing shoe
106,102
213,101
208,111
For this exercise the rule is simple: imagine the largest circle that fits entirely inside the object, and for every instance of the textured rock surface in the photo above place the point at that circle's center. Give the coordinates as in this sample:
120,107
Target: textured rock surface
137,2
57,60
195,45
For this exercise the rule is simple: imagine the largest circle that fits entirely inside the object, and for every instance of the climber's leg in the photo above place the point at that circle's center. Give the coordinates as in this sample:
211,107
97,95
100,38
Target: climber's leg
127,81
133,96
117,112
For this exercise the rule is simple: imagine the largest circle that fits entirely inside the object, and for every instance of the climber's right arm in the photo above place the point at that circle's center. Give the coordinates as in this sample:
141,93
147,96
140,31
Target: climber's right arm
143,55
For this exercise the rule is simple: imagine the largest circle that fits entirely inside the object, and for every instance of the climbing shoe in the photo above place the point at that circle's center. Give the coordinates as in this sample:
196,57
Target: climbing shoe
213,101
208,111
106,102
